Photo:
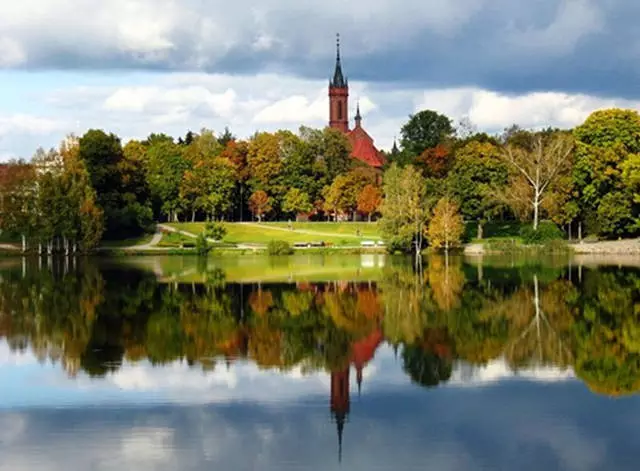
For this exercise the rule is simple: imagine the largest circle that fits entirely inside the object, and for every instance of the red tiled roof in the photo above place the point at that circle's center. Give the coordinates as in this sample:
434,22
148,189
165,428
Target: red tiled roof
363,149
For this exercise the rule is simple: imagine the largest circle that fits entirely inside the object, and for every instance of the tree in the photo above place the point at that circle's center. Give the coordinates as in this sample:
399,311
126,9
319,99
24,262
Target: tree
435,162
260,204
607,141
342,196
369,200
425,130
166,166
405,209
540,167
446,226
296,201
477,175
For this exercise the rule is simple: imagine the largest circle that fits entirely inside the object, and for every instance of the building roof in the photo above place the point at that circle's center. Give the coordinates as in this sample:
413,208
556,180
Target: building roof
363,149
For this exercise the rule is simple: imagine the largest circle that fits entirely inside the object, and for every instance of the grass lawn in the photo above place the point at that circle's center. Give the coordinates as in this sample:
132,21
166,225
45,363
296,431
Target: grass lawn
341,234
132,242
175,240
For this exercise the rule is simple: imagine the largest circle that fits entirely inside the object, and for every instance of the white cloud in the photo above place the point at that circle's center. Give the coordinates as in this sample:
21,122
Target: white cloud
494,111
11,53
28,124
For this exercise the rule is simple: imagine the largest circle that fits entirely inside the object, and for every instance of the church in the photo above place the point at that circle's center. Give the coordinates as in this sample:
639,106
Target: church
362,146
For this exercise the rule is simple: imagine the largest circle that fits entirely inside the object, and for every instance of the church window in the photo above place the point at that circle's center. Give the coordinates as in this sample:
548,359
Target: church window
339,111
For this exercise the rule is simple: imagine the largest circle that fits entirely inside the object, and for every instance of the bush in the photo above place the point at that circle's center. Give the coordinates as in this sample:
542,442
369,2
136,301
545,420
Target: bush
279,247
547,231
215,230
202,246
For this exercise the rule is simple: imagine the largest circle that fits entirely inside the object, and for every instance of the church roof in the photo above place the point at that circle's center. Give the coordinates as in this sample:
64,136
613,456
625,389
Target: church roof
363,149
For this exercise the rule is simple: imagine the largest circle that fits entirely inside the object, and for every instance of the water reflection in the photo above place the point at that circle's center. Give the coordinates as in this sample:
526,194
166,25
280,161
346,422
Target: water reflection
123,336
92,318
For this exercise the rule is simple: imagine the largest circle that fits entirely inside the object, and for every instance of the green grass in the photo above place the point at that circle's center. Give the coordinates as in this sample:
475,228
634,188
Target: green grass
338,234
131,242
175,240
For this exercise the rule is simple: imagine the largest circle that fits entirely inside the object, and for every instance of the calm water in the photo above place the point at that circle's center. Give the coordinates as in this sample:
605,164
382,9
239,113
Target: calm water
318,363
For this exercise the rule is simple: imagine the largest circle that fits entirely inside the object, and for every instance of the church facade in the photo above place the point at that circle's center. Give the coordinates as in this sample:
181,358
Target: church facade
362,146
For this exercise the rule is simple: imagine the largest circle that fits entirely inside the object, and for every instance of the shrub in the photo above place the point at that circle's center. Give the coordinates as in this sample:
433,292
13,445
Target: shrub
279,247
202,246
547,231
215,230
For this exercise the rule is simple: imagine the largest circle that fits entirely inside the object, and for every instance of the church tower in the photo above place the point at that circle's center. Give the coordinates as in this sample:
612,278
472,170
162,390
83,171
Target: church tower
339,96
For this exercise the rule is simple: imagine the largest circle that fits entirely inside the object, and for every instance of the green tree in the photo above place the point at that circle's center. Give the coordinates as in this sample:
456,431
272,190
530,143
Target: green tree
607,141
296,201
477,175
166,166
405,209
425,130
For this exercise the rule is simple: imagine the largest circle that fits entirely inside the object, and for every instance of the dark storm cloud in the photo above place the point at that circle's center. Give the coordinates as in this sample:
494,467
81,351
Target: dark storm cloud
586,46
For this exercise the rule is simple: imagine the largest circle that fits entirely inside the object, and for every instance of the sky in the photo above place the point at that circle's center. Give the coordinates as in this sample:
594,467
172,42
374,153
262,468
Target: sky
139,66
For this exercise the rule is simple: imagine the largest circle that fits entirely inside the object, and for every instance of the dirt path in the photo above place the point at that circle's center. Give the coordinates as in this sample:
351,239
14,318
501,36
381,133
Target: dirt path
9,247
151,245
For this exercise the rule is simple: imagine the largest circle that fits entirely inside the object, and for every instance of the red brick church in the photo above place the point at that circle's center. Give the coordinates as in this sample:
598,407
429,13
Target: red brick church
362,147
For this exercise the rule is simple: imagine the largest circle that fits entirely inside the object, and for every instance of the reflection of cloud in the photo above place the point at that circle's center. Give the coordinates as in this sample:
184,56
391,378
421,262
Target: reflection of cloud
14,358
465,374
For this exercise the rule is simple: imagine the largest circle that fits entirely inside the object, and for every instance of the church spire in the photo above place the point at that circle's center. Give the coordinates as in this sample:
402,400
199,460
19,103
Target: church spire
338,77
358,117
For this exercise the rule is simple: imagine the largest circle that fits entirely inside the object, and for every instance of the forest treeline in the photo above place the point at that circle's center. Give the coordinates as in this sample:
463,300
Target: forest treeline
93,319
585,180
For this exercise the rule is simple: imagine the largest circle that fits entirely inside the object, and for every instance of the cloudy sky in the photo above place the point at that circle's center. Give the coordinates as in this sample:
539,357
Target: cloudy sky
137,66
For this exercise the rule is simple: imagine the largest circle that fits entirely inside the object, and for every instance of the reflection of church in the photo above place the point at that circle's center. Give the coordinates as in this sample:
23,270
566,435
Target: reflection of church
362,352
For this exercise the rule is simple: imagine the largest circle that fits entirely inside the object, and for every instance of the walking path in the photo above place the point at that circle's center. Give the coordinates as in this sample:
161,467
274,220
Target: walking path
9,247
306,231
213,241
151,245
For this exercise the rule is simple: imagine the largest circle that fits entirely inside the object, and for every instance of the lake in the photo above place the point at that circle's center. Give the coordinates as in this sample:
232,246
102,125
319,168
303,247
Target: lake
315,362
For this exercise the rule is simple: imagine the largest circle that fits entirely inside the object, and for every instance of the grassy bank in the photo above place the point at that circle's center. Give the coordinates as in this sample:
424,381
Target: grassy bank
336,234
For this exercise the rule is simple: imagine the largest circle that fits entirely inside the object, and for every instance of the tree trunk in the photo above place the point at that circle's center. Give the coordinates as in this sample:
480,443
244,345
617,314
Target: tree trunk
480,231
580,231
24,243
536,208
369,217
193,215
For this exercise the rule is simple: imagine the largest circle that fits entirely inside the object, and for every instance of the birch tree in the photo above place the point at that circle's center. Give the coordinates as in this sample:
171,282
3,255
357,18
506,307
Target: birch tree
539,167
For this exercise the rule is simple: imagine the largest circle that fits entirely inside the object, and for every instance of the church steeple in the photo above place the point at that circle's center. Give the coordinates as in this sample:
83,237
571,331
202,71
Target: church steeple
358,117
339,96
338,77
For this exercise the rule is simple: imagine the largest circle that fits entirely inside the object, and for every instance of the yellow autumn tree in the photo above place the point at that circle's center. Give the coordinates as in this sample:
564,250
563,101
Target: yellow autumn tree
446,227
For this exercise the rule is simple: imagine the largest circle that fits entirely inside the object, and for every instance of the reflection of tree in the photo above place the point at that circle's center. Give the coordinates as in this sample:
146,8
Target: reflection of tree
539,321
446,280
607,356
93,318
430,364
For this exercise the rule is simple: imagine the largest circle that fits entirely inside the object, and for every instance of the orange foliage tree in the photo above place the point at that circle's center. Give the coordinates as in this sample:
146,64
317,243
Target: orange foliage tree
260,204
369,200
